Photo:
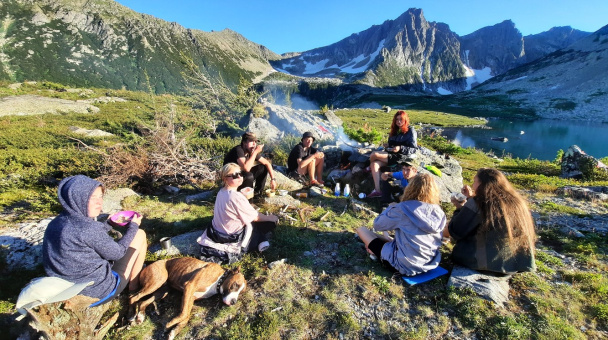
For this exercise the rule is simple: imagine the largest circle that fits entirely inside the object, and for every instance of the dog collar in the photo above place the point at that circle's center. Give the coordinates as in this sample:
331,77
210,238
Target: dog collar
220,281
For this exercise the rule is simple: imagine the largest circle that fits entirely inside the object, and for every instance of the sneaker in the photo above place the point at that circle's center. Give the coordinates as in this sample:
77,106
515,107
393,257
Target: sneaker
374,194
263,246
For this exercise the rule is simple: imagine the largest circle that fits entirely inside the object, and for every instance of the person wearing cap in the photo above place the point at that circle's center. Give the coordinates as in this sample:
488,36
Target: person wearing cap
246,155
401,144
409,169
77,248
304,159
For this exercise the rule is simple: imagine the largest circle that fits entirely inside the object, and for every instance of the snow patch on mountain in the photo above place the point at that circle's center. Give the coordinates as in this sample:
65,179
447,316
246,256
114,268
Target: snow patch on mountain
360,63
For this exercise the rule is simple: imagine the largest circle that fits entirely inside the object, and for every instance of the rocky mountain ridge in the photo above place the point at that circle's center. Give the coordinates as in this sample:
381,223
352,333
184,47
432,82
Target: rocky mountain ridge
570,83
426,56
104,44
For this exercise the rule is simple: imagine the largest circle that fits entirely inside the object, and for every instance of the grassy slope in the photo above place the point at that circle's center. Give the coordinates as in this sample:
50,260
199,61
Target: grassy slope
335,289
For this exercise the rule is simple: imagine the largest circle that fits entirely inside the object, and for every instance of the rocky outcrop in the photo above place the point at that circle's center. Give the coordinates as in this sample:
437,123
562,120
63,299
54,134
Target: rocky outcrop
283,121
577,164
570,83
542,44
499,47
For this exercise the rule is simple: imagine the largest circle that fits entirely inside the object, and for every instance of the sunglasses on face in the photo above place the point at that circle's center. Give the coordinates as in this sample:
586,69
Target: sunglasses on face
235,175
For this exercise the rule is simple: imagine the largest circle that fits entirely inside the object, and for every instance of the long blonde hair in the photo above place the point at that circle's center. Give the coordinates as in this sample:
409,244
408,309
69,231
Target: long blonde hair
421,188
503,208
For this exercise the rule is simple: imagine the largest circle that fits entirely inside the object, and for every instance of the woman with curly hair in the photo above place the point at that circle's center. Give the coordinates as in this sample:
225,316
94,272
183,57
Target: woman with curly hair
418,222
493,228
401,145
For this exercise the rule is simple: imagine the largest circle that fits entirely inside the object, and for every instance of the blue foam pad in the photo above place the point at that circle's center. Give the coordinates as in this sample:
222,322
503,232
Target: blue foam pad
424,277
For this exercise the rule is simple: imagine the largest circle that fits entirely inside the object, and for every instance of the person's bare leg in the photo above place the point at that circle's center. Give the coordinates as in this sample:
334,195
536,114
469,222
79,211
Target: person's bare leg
377,159
319,170
311,169
366,235
135,264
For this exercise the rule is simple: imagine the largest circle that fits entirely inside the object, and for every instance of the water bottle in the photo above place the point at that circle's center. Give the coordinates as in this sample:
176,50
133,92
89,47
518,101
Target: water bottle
346,190
337,189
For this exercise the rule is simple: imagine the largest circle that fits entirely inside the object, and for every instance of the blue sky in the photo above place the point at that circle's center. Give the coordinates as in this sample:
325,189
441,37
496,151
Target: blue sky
295,26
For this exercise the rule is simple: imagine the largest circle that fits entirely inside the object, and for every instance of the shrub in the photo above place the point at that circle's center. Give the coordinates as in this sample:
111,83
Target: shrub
364,134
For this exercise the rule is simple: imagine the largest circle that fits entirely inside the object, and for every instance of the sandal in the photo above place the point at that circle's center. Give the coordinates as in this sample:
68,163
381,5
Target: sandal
317,183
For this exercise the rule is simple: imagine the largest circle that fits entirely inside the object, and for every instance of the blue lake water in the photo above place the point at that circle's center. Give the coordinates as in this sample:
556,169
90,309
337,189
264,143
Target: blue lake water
540,139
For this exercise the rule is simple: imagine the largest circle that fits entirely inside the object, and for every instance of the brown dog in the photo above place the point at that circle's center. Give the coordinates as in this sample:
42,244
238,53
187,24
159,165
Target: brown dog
196,278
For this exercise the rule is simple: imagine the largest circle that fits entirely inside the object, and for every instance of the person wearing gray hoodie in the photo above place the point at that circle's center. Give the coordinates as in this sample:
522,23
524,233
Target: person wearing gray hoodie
418,222
79,249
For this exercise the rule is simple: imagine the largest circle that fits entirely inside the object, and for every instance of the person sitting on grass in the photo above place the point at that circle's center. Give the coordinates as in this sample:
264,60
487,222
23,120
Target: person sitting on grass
401,144
236,227
493,228
246,155
305,159
408,171
418,222
79,249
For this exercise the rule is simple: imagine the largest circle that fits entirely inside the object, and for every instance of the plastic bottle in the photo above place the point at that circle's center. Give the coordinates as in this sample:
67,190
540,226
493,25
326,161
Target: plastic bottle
337,189
346,190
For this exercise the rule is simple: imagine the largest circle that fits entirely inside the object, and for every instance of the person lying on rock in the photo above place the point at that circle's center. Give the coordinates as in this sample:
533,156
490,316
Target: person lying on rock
79,249
418,222
493,228
236,227
408,171
246,155
402,143
304,159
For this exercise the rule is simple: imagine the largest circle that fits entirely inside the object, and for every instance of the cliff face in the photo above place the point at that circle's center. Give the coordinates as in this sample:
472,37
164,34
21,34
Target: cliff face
499,47
102,43
408,50
570,83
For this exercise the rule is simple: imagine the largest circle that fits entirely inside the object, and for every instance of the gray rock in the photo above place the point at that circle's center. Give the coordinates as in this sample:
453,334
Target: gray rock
492,288
200,196
577,164
23,245
113,198
282,201
90,133
284,182
184,244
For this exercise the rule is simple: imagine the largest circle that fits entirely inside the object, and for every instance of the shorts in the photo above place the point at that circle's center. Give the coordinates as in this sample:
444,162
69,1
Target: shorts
395,158
119,269
376,247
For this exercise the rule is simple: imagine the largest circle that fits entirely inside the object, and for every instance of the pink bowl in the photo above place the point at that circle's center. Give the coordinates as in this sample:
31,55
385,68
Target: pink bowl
122,218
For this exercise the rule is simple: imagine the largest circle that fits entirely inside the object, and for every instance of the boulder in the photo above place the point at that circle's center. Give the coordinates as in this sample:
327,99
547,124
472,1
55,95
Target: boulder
284,120
577,164
284,182
489,287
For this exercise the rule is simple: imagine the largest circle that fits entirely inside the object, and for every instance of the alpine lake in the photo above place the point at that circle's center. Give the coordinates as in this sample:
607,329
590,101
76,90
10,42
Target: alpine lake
540,139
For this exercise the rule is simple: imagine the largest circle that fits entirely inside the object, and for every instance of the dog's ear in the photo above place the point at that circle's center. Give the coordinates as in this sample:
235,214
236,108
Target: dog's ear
237,270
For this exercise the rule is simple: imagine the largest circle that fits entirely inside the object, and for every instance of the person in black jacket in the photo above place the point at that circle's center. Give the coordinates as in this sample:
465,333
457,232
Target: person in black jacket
305,159
493,228
401,144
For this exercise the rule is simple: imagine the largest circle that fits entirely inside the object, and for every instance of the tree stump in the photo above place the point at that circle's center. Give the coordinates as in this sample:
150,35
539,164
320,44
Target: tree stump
71,319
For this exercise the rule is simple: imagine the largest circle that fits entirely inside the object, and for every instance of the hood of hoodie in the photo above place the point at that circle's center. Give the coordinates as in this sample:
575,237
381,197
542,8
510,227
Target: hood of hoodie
74,194
427,217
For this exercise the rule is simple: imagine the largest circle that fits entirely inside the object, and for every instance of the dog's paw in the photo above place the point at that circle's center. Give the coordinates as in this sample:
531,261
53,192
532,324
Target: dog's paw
140,317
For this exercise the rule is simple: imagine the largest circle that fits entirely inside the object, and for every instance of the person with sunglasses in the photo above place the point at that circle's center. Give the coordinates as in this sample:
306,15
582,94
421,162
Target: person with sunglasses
236,227
256,168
